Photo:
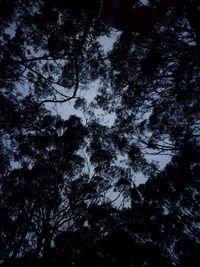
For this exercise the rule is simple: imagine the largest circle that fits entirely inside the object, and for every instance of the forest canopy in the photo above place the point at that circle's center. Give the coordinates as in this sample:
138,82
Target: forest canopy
68,191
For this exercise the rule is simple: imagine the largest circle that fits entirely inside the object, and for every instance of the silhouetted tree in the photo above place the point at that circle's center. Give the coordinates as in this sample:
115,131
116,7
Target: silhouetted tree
65,185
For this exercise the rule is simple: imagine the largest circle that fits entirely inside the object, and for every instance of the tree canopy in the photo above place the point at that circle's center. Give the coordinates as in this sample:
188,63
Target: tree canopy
68,190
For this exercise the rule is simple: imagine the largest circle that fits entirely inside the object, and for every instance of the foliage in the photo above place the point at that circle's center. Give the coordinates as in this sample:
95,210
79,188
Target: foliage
67,185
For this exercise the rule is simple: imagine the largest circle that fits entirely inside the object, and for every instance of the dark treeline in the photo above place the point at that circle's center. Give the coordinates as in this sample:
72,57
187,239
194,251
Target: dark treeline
67,185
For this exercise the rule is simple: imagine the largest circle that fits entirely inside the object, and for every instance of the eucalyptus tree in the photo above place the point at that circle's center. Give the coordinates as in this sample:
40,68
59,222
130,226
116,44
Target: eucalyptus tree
50,48
56,174
169,204
47,182
153,87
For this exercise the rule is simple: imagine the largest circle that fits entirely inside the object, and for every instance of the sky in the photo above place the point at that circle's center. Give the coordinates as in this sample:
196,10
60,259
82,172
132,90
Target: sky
144,2
67,109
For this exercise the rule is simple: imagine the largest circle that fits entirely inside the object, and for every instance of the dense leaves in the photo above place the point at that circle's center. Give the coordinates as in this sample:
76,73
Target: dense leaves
69,190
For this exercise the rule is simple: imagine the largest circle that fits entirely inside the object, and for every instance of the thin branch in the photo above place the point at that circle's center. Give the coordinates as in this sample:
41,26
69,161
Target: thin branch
77,54
44,57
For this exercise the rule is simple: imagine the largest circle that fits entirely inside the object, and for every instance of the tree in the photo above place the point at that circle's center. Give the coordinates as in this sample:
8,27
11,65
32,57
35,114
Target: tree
174,196
132,17
57,174
56,177
152,90
37,195
48,48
